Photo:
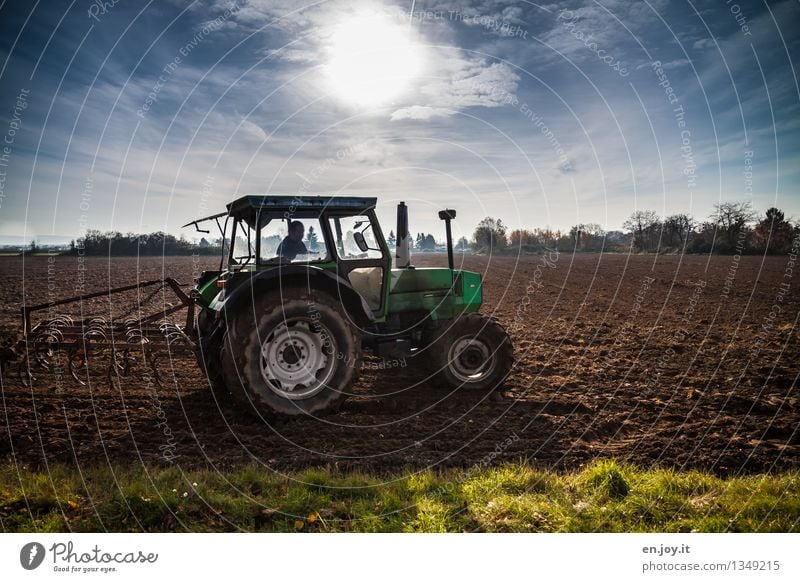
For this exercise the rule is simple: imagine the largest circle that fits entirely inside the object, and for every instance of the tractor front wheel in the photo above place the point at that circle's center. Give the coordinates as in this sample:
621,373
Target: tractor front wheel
474,352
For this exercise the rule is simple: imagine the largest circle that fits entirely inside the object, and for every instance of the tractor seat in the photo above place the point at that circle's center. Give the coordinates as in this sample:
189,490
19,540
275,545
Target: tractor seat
368,282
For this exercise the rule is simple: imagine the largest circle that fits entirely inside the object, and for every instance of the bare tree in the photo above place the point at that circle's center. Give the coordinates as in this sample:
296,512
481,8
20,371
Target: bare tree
521,237
644,225
677,229
733,220
588,237
546,236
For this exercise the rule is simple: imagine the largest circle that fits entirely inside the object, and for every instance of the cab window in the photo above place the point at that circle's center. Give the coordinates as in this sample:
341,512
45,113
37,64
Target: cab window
293,240
355,237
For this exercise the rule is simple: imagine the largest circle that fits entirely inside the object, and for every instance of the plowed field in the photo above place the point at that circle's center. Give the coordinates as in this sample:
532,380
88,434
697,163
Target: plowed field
690,362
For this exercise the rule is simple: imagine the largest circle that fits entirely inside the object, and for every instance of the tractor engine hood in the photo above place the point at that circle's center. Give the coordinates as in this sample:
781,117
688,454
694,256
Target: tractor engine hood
421,280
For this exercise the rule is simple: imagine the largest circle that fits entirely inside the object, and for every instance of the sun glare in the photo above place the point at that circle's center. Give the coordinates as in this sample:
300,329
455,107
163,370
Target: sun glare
372,60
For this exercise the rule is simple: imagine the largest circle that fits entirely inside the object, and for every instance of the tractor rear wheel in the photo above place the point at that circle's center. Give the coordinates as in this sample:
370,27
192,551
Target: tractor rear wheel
473,352
292,353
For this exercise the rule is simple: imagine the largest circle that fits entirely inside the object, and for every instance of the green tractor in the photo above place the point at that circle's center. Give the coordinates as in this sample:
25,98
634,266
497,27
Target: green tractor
307,283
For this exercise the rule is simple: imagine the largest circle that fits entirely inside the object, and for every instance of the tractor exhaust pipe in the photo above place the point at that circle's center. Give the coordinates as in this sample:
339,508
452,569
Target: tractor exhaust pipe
403,249
447,216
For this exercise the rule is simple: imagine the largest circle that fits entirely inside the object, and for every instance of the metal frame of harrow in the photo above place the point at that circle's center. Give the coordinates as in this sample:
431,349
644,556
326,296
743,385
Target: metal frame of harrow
122,340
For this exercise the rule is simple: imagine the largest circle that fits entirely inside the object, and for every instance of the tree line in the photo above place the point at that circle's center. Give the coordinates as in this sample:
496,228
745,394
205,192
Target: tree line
732,228
97,243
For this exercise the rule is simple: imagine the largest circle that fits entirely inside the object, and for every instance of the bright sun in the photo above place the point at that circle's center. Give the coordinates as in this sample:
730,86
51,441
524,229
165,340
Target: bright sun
372,59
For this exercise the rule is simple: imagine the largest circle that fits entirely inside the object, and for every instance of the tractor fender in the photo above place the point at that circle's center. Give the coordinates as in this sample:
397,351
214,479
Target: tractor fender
312,277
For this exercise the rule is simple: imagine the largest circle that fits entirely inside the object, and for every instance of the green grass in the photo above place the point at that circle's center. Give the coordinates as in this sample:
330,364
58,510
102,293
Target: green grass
605,497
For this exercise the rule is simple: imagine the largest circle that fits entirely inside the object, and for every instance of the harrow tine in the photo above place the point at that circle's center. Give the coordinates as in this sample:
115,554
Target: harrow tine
152,361
59,320
135,336
26,377
72,356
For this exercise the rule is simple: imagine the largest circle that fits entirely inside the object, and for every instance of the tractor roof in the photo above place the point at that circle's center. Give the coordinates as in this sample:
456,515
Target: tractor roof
246,204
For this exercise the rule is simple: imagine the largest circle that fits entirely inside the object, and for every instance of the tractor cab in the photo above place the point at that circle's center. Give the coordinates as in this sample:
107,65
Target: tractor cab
339,237
316,229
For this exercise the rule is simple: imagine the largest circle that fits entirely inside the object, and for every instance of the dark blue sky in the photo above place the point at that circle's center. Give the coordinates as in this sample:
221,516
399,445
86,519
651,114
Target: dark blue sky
142,116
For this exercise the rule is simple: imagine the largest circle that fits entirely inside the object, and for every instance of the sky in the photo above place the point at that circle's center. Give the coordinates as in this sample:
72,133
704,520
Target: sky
139,117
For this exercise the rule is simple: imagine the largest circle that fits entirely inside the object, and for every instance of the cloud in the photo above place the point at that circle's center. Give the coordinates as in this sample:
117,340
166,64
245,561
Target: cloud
675,64
252,130
419,112
567,167
467,82
496,17
703,44
608,27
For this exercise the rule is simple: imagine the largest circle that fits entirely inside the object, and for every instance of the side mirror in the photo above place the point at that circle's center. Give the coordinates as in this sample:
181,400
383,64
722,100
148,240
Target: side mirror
360,242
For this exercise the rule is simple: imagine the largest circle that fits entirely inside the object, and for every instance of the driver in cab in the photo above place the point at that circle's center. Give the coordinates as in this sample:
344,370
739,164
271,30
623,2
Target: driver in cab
293,245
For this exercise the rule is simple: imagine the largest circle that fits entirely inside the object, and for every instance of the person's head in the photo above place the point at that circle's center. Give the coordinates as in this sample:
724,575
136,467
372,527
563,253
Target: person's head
296,230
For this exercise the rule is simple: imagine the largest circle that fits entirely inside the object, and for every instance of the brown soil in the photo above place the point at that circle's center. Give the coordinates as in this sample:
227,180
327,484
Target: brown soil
668,377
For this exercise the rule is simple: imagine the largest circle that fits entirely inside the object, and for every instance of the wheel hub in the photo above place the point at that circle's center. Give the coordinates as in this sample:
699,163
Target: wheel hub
296,362
293,355
471,359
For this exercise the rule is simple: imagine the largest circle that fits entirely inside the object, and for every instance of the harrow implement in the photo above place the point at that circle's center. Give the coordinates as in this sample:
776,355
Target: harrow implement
82,330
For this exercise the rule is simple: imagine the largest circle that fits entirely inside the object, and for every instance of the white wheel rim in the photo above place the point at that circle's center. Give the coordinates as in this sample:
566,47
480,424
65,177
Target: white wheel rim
471,360
297,359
